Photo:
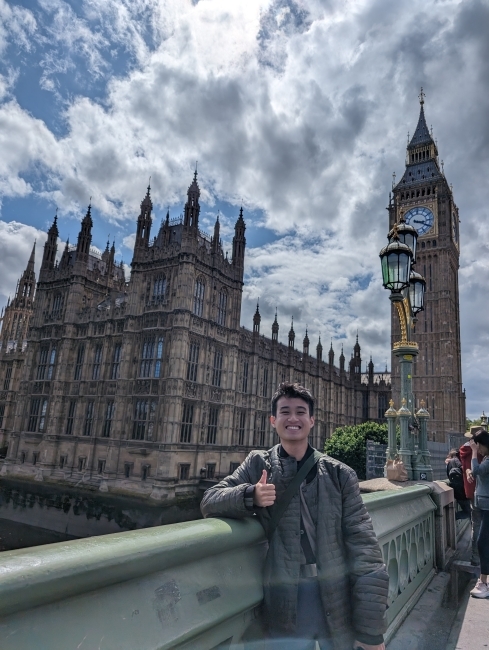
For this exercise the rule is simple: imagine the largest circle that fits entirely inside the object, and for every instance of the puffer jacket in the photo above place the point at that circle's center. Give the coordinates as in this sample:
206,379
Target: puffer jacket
351,573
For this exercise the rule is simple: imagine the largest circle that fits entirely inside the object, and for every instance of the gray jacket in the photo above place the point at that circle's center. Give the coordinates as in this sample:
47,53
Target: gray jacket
352,575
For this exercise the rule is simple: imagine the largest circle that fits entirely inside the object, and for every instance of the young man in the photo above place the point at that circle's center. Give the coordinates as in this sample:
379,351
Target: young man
324,577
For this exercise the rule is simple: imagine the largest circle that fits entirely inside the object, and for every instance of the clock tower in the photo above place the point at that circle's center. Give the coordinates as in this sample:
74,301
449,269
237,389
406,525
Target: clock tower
425,200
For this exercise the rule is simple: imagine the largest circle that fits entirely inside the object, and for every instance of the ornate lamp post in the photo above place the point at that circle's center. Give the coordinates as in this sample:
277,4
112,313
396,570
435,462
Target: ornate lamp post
407,294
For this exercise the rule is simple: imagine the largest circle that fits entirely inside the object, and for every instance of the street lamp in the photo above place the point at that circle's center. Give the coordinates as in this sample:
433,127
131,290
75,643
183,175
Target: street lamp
407,295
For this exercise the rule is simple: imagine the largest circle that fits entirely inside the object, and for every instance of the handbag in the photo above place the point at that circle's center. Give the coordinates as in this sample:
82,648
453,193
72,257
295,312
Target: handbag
395,470
279,507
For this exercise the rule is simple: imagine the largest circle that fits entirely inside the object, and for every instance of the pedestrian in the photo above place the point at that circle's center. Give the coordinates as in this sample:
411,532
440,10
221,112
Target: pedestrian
469,488
480,470
324,576
455,476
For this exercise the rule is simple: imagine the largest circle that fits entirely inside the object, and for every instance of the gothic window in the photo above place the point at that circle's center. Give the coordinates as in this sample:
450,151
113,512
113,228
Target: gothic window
87,429
217,368
210,470
187,421
221,308
212,425
109,416
382,403
184,471
144,417
244,383
8,376
116,361
365,406
62,461
79,361
2,414
159,288
151,357
265,382
199,297
58,302
82,463
43,362
52,361
71,417
101,466
145,472
193,362
242,428
97,362
37,415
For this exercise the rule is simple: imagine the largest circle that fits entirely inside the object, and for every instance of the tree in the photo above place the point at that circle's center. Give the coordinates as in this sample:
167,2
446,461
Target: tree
471,423
349,444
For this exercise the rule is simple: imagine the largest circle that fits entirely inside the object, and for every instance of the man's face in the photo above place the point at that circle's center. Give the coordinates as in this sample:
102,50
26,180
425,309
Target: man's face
292,421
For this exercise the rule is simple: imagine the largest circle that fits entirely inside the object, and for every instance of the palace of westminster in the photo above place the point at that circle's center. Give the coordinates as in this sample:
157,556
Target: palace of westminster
150,385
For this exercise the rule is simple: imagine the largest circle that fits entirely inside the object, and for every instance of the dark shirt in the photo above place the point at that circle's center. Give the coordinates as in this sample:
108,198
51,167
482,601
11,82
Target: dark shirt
306,546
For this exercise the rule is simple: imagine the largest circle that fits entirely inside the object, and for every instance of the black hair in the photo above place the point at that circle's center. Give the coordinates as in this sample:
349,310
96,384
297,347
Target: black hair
292,390
482,437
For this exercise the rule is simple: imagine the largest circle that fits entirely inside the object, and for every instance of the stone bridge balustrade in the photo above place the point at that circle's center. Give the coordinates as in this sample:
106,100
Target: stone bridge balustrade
183,586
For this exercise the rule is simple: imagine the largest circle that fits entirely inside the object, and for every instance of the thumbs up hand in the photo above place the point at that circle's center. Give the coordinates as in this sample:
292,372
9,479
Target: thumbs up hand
264,492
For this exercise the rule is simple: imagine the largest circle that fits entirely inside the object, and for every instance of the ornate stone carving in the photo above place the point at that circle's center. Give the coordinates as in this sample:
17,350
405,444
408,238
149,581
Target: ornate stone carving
216,395
142,386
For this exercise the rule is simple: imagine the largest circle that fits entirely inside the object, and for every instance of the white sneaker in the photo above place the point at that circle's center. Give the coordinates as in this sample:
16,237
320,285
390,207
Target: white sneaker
481,590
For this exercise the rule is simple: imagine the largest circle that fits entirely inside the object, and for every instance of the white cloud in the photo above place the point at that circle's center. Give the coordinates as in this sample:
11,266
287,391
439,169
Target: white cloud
16,242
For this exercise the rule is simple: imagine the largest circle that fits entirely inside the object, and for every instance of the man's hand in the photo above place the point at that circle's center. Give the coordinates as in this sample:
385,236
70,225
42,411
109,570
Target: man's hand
357,645
264,492
470,477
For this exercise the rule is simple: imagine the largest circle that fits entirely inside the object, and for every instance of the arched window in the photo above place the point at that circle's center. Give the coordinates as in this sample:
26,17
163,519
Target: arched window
199,297
221,308
159,288
58,302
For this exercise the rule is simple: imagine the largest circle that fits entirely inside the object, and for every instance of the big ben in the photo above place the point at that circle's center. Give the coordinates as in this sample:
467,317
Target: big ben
424,198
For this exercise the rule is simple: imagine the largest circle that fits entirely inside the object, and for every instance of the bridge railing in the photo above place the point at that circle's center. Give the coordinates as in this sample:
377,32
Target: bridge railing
190,585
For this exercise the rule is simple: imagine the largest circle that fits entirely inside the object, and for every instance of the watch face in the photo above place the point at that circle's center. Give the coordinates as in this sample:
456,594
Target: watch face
421,218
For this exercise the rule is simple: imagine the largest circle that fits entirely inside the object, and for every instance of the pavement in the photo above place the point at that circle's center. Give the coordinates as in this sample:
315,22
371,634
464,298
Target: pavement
434,625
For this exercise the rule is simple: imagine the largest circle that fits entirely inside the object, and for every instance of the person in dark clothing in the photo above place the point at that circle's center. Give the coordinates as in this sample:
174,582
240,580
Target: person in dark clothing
456,482
324,575
469,488
479,473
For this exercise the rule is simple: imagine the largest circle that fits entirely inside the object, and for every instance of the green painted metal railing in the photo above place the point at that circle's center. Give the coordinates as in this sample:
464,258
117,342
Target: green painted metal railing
190,585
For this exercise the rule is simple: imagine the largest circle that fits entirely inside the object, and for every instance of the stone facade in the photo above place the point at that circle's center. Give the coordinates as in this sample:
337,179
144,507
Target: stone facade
150,386
425,199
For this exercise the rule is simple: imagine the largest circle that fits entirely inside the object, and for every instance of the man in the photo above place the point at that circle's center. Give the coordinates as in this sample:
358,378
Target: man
469,488
324,578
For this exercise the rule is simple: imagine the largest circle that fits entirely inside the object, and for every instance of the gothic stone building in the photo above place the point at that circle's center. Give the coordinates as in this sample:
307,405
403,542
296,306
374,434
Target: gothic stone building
425,199
150,385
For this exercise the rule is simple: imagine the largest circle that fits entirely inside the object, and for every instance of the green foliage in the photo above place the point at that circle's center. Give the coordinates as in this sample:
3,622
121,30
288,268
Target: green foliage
471,423
349,444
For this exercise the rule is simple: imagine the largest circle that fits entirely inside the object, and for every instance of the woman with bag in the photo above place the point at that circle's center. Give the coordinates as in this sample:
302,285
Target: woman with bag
456,482
480,444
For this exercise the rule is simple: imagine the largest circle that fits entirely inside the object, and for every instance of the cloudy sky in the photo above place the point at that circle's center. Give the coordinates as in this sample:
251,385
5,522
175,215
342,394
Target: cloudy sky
297,109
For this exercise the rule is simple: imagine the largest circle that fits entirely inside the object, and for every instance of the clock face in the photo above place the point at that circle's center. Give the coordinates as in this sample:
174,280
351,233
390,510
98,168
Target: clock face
421,218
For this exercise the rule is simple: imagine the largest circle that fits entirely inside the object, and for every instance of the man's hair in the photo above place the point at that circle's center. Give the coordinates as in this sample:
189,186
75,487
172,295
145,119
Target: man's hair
453,453
482,437
292,390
